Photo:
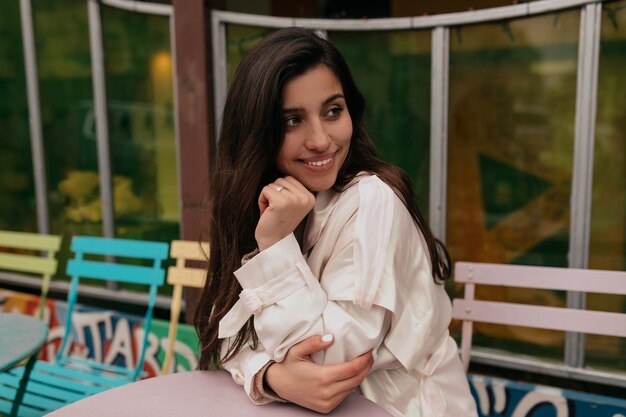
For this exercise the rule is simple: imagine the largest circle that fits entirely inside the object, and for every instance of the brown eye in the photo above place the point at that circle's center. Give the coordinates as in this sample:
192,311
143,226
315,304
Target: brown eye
334,112
291,121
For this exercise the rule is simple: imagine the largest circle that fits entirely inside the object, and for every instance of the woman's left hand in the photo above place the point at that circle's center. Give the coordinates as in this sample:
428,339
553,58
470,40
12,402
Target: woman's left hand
298,379
283,204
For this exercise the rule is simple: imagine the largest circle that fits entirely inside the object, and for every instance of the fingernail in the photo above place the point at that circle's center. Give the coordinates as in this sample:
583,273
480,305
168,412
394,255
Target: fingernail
327,338
375,353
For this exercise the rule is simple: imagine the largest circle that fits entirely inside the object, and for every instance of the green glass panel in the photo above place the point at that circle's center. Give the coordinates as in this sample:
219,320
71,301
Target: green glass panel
64,67
17,205
510,154
508,191
142,135
239,40
608,208
67,108
392,70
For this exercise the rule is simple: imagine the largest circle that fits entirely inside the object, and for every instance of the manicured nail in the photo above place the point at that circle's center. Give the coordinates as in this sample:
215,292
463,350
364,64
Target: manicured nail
375,353
327,338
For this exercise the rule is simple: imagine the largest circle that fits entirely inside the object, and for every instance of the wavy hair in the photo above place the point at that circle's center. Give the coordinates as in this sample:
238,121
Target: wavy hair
250,138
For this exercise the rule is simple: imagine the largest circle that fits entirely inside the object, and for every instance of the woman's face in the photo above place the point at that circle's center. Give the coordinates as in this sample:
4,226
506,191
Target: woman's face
317,127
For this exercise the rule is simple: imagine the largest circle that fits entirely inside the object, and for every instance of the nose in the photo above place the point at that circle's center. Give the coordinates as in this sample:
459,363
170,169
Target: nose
317,138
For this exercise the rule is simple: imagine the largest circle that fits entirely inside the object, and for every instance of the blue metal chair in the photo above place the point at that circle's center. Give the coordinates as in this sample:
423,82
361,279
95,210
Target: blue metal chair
69,379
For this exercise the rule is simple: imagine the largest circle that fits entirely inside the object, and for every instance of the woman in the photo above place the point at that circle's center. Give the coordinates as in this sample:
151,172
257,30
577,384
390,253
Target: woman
331,243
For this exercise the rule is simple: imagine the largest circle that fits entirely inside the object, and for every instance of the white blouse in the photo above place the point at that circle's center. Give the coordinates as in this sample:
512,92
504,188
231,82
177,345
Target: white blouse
363,275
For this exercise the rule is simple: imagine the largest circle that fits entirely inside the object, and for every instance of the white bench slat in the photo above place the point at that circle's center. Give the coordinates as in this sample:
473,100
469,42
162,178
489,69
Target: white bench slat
541,317
548,278
533,316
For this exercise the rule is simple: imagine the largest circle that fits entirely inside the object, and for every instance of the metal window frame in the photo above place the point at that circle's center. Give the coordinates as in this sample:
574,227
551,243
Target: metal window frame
589,38
439,95
102,137
100,99
34,113
96,50
582,170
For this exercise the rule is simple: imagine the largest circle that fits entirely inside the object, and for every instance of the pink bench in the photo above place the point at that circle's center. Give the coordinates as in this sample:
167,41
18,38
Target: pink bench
502,397
471,310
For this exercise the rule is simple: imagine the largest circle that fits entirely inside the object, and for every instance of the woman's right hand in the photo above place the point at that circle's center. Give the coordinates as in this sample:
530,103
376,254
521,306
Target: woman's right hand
319,388
283,205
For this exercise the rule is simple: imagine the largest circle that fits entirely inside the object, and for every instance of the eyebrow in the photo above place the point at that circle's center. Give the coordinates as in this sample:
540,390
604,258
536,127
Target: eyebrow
327,101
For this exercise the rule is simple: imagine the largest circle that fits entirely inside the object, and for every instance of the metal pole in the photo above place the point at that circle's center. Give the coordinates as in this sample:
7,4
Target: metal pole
439,131
34,119
140,7
172,22
102,124
582,177
220,74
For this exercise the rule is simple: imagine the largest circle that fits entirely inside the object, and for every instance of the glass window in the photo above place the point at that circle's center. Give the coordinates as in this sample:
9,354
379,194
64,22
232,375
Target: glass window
141,122
142,134
66,101
239,40
608,212
138,70
17,205
392,70
510,154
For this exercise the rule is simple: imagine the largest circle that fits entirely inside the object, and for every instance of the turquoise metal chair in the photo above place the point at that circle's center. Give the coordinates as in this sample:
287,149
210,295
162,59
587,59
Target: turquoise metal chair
69,379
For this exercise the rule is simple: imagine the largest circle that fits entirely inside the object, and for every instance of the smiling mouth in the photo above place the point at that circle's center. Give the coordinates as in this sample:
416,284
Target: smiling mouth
319,163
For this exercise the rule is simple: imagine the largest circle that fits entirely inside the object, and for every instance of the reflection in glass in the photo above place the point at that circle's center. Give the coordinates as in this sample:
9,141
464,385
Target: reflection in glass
141,124
510,153
392,70
17,205
64,67
239,40
608,213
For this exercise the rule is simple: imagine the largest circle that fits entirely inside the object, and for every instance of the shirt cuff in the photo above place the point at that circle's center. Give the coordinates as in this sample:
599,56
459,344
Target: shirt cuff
251,367
248,256
263,393
270,263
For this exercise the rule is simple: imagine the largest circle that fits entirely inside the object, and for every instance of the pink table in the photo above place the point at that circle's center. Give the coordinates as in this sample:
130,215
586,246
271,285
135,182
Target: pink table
197,394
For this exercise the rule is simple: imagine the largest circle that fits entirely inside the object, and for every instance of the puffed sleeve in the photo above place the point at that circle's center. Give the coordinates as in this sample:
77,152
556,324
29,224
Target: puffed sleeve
289,304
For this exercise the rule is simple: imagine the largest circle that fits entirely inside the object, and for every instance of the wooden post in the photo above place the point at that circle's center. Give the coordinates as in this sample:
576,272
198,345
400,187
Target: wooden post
195,109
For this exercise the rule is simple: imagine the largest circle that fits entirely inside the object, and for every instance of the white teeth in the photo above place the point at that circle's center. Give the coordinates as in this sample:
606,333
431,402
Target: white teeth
319,163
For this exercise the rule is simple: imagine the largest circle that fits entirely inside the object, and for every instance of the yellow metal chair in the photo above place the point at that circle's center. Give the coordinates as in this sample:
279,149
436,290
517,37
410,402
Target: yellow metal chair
181,275
32,253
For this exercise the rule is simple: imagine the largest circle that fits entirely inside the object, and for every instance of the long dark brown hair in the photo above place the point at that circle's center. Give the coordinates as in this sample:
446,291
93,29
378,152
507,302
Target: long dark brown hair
251,136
